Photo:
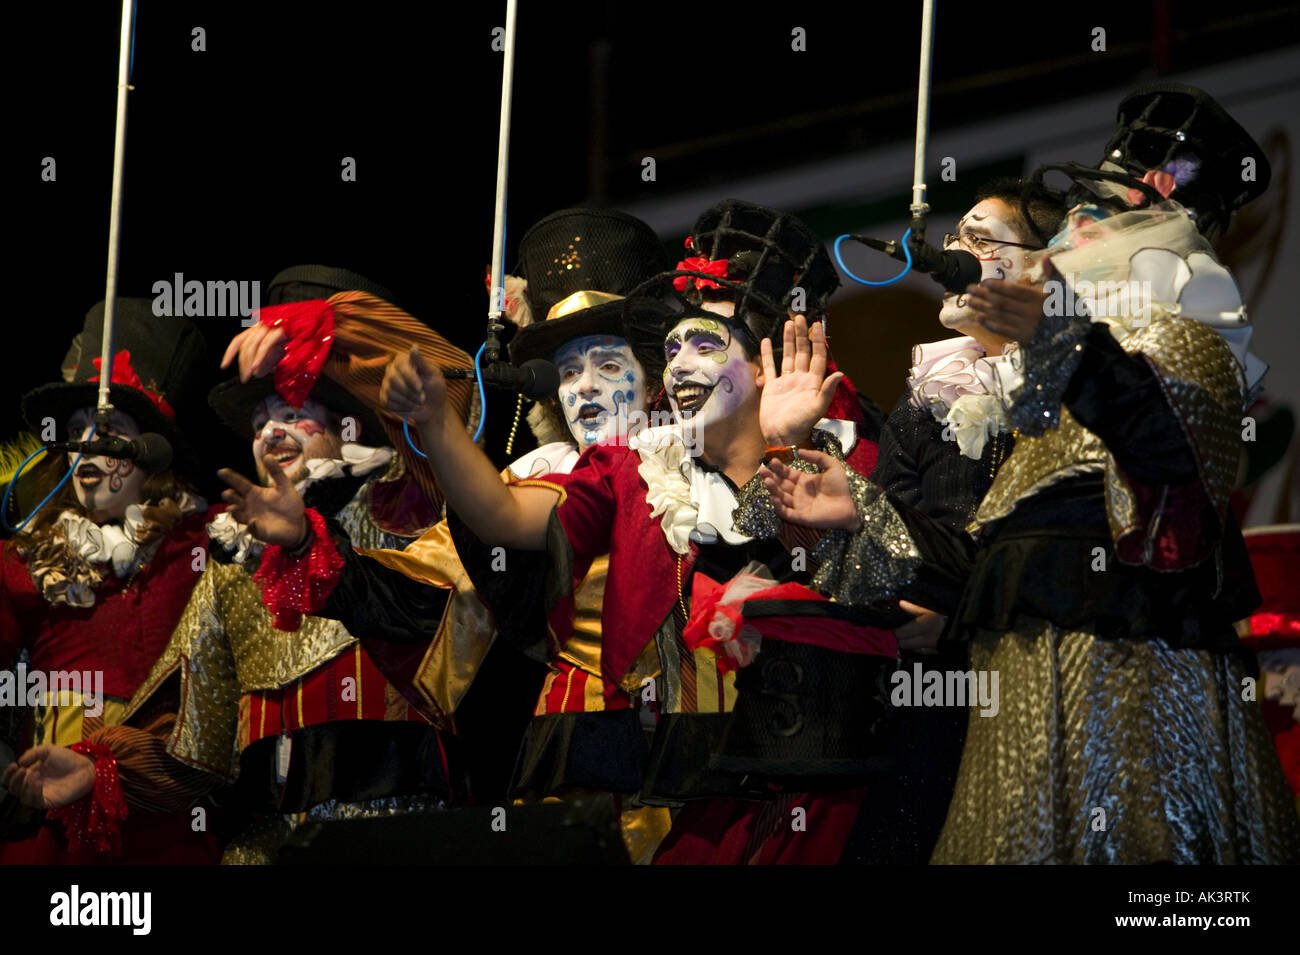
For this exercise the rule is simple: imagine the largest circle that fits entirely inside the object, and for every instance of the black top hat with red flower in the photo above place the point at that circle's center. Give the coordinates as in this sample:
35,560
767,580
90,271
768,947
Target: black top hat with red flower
767,262
159,365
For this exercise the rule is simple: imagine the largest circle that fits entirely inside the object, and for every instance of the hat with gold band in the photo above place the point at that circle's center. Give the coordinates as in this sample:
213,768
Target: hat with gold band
579,265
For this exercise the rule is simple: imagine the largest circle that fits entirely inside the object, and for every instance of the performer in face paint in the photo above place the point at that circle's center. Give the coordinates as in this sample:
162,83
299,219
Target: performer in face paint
90,590
1108,572
310,726
939,453
577,266
665,510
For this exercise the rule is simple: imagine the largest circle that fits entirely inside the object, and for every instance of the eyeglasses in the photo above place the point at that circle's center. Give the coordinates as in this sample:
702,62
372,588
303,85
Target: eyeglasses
980,244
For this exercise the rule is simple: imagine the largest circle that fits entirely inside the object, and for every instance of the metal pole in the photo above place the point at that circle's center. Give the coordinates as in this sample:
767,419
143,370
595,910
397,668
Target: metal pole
919,207
497,299
115,213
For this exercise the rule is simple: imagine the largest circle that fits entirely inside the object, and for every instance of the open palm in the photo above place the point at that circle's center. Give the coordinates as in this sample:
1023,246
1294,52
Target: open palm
275,514
796,399
814,500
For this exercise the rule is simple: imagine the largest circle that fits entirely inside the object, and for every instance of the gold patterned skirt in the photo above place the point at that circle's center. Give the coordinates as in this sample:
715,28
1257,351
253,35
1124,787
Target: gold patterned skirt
1119,751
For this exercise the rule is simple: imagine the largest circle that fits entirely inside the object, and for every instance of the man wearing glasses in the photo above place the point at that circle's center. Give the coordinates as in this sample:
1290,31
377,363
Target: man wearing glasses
939,451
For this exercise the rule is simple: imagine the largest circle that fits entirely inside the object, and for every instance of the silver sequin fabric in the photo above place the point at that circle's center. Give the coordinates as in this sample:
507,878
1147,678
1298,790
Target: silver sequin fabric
1115,752
874,562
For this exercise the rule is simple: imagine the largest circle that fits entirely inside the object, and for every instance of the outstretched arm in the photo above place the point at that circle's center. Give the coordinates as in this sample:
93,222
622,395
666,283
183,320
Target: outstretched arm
499,514
413,389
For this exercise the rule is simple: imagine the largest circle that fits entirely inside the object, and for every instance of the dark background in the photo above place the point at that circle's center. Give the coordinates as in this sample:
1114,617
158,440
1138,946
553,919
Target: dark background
233,154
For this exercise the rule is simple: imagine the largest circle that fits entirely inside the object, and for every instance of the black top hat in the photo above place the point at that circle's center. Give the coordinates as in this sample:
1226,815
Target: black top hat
580,265
166,366
234,402
768,256
1162,122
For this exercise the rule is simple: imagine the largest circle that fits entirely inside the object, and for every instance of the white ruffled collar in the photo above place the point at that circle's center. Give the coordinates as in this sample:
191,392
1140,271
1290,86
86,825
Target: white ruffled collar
696,503
964,388
117,545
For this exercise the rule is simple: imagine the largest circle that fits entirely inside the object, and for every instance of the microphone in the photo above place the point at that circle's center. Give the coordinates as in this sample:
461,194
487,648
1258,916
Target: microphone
536,378
954,270
151,451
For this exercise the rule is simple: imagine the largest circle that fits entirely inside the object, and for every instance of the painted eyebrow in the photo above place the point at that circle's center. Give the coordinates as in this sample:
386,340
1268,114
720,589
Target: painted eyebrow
706,335
598,353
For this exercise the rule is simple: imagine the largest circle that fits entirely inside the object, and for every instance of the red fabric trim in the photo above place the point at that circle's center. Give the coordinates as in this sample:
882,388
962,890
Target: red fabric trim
840,635
94,822
310,327
124,374
291,588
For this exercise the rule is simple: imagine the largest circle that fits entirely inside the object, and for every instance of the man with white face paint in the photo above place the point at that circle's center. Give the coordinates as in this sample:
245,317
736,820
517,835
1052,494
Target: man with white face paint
308,723
91,588
678,531
577,265
940,450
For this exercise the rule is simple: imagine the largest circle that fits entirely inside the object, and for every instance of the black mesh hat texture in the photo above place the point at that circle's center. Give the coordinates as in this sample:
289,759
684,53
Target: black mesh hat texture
589,250
769,254
169,355
1157,123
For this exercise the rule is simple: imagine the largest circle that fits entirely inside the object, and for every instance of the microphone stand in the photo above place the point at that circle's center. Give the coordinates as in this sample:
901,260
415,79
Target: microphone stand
104,407
920,209
492,344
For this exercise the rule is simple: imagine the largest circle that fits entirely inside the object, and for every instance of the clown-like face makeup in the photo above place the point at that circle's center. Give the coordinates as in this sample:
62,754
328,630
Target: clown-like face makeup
291,436
105,487
991,221
601,383
707,376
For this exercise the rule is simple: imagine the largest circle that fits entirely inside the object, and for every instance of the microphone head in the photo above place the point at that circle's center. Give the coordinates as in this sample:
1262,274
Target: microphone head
957,270
969,270
541,379
153,452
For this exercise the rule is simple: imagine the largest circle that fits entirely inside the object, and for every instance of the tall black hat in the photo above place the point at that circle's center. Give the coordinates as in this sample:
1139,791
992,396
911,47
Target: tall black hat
234,401
1159,124
580,265
762,259
159,365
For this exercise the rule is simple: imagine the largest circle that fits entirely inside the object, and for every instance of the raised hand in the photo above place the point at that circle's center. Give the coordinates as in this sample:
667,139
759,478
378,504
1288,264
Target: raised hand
413,388
50,777
259,348
814,500
275,514
797,398
1006,308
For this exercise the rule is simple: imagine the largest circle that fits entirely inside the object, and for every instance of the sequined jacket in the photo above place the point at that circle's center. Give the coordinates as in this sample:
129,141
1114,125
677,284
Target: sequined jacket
243,683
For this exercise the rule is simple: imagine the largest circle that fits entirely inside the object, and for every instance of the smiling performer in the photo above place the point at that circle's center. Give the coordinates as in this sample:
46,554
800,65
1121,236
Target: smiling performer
576,266
662,510
307,722
1109,572
91,589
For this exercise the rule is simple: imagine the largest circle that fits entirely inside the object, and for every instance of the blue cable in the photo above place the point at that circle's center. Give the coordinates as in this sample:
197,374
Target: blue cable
482,395
135,19
482,403
4,505
906,268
